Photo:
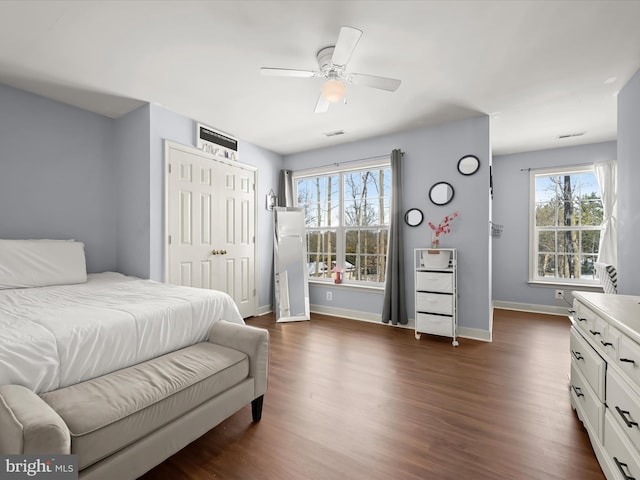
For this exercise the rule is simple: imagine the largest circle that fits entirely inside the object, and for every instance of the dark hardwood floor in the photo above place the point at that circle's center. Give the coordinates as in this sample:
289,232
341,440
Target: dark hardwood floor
351,400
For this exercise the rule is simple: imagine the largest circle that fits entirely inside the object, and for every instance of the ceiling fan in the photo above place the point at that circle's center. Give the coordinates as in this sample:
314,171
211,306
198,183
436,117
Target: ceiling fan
332,62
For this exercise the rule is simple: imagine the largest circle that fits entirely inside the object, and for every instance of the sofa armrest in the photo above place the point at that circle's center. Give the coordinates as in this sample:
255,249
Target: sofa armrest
28,425
250,340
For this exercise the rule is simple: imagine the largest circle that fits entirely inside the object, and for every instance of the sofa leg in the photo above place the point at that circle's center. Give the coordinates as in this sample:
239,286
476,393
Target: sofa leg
256,408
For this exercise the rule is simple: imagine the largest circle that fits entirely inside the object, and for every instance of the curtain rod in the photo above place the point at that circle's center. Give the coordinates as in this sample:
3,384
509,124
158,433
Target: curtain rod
337,164
559,166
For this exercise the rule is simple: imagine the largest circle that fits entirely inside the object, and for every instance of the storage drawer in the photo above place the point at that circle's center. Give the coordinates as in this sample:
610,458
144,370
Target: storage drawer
587,401
434,303
592,366
610,343
434,324
629,358
434,282
582,316
618,450
625,405
597,329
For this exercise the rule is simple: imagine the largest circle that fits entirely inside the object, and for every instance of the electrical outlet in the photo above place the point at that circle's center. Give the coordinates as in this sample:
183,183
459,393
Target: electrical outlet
329,295
560,294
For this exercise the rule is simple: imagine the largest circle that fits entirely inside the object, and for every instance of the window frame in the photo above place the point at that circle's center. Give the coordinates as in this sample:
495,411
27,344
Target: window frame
533,229
340,170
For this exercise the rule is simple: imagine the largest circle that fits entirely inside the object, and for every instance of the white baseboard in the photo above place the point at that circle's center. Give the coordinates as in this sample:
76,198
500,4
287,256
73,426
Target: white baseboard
532,308
463,332
264,310
475,334
356,315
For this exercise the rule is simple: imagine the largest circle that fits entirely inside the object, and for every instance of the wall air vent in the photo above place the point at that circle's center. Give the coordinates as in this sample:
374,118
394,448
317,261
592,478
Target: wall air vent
334,134
569,135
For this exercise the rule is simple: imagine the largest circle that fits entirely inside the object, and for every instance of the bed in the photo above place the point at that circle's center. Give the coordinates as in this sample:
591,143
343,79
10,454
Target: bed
55,336
120,371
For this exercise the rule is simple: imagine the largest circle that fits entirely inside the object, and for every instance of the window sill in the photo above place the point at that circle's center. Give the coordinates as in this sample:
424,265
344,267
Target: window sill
591,287
347,286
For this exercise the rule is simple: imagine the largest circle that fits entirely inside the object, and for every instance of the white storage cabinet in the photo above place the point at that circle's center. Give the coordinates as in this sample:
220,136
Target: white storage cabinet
436,292
605,378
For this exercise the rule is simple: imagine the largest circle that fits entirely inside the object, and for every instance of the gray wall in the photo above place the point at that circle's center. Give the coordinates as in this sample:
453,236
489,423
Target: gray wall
57,176
628,188
431,155
69,173
131,149
511,210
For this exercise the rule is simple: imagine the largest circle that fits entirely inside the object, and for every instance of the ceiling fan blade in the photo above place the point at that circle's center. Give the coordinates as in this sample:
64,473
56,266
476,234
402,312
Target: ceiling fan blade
383,83
286,72
322,105
346,44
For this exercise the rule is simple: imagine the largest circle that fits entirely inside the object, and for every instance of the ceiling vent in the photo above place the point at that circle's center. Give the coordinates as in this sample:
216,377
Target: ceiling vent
334,134
569,135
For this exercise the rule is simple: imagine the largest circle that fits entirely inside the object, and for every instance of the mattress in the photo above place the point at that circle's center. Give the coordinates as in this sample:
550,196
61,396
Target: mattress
52,337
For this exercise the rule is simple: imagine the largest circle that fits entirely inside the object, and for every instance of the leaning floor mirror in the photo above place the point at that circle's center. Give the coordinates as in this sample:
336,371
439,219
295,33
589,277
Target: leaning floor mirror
291,274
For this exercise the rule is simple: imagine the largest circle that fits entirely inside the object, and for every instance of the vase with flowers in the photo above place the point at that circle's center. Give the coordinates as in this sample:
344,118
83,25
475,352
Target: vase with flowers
442,228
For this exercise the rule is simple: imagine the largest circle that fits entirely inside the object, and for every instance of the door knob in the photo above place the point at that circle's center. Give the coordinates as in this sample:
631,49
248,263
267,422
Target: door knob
223,252
215,252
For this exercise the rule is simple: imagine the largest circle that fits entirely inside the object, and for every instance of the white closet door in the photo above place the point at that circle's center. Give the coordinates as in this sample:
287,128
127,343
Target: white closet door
210,205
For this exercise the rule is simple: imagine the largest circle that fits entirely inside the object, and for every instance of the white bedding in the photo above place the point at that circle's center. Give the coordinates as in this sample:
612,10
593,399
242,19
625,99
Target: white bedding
52,337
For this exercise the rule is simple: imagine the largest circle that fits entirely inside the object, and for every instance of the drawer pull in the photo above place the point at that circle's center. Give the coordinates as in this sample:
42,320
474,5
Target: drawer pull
606,344
593,332
578,391
578,355
572,311
582,319
628,360
627,421
622,467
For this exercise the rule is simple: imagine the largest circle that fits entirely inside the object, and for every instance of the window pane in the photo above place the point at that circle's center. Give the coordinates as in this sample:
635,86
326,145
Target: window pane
320,197
321,252
568,266
546,241
587,269
590,241
546,265
546,214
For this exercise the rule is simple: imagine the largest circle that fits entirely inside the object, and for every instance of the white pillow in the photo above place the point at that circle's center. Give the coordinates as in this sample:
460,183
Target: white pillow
39,263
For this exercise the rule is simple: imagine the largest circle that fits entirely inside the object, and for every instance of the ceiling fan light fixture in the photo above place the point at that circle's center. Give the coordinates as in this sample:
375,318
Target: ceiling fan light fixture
333,90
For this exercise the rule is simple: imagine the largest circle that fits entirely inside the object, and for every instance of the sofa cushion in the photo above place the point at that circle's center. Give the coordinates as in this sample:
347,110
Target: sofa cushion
108,413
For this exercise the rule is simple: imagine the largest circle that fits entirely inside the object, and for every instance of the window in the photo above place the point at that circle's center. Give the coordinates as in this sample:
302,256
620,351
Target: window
566,214
347,222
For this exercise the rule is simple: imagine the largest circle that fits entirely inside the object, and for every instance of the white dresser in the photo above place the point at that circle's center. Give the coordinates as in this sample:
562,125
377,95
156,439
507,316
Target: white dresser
436,292
605,378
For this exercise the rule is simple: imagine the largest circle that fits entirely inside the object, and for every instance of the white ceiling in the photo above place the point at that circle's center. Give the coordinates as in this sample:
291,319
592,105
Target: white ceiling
540,68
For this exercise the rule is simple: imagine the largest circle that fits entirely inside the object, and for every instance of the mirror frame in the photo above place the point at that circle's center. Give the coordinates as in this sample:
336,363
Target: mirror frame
474,170
409,214
453,192
282,287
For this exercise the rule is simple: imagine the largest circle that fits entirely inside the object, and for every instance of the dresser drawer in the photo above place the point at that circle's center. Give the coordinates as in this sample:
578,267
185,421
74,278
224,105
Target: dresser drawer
629,358
625,406
587,360
618,450
434,324
582,316
434,282
434,303
610,343
587,401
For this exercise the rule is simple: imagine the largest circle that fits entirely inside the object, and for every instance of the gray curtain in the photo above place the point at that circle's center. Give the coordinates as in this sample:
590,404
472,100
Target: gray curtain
394,309
285,190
